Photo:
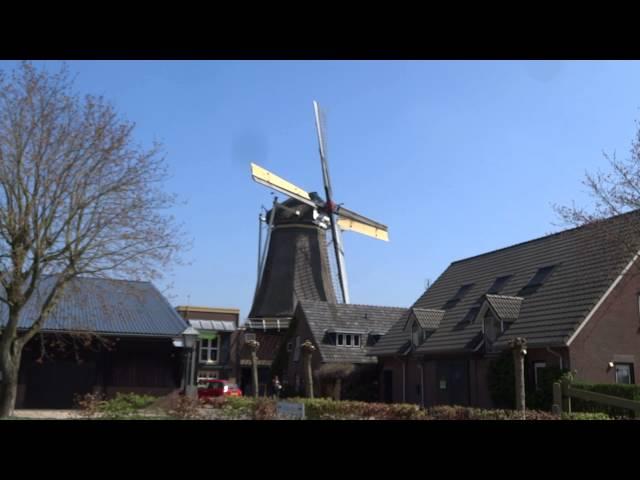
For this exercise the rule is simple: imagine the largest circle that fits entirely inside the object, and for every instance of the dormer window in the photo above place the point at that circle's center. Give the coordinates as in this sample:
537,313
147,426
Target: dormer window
492,327
348,340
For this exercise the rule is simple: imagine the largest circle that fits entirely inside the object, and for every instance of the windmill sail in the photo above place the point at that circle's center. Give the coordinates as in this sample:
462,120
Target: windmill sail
335,231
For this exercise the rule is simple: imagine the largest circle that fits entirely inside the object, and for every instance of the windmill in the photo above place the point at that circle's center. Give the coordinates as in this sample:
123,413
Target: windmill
295,262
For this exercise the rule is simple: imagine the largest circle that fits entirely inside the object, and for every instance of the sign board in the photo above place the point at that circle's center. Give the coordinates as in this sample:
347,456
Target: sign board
290,410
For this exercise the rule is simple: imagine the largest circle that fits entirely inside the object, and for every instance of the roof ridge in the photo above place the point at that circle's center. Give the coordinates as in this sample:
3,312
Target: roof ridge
503,296
353,304
544,237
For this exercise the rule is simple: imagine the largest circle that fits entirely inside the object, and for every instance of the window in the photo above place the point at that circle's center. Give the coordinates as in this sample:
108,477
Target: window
347,340
624,373
205,375
209,349
537,280
416,332
537,374
495,288
462,291
296,352
471,315
498,284
492,328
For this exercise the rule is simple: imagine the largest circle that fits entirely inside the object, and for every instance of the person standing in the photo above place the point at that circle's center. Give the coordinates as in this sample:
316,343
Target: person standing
277,387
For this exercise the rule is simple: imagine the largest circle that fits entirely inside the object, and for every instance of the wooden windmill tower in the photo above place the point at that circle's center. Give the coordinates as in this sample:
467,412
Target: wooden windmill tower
295,264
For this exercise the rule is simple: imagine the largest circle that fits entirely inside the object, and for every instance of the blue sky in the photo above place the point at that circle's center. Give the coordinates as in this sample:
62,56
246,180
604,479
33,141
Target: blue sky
458,158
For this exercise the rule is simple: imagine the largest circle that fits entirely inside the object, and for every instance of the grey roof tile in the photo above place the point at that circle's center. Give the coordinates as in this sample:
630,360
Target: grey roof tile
323,317
507,308
587,260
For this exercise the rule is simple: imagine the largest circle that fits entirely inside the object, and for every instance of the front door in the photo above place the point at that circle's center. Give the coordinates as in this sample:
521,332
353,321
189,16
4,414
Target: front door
452,382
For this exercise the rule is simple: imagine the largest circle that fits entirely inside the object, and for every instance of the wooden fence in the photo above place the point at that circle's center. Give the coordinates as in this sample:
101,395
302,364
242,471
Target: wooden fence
563,392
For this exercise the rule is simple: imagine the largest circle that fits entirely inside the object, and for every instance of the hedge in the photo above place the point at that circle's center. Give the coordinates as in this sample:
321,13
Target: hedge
327,409
631,392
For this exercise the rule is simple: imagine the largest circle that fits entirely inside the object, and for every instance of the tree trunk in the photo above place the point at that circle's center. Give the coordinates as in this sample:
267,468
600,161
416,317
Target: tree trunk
9,391
308,375
337,389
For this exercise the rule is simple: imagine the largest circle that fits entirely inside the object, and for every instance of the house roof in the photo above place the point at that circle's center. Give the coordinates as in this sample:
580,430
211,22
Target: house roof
324,317
104,306
586,261
428,318
213,325
507,308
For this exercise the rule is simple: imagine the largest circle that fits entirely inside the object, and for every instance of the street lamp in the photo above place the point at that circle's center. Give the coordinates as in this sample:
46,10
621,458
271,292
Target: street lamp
190,336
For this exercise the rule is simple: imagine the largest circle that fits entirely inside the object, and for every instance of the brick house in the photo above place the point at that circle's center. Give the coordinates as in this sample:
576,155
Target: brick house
574,296
216,352
343,335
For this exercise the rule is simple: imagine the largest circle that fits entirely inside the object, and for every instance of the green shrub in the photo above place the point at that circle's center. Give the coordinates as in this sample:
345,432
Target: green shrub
630,392
585,416
328,409
447,412
501,380
124,405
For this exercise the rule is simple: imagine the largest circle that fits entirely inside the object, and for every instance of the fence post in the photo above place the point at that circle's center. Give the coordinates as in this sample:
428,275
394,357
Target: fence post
566,399
556,408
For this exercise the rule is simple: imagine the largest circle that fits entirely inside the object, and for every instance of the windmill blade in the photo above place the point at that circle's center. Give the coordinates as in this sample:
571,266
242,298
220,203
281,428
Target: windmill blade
363,228
335,231
323,150
351,215
271,180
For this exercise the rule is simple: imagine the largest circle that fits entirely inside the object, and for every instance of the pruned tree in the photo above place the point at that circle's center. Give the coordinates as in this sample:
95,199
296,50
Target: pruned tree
78,197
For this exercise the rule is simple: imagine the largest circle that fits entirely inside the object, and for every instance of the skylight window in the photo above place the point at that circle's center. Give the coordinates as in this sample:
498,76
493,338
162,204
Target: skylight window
458,296
537,280
471,315
498,284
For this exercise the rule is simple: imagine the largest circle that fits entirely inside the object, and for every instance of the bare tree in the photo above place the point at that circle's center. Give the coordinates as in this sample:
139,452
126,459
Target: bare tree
614,192
78,196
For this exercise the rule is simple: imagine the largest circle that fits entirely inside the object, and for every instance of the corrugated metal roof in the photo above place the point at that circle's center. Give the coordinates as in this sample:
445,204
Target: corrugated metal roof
105,306
213,325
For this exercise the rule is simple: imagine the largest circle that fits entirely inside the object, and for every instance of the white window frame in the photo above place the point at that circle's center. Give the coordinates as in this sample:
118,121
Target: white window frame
341,340
536,366
207,374
209,348
623,364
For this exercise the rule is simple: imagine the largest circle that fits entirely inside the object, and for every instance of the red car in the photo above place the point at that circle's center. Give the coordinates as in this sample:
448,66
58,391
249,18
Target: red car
210,388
